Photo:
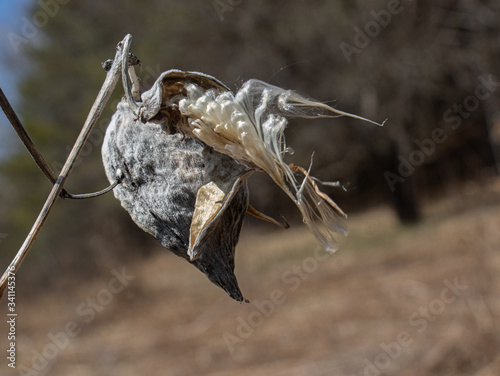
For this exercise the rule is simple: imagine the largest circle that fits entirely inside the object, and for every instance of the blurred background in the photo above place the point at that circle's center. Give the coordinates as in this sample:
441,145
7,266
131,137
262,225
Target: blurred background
413,289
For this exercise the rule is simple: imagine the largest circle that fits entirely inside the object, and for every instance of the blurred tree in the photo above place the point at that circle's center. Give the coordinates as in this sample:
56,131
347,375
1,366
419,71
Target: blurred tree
411,63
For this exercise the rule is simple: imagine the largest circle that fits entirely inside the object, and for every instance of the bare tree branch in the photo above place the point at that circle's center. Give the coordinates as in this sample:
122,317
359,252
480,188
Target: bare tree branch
96,111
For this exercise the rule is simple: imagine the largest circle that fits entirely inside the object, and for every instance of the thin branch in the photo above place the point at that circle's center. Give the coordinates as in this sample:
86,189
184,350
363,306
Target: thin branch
84,196
35,153
97,108
125,80
25,138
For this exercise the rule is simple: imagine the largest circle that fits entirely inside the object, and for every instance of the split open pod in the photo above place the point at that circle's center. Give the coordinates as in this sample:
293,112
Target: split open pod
183,151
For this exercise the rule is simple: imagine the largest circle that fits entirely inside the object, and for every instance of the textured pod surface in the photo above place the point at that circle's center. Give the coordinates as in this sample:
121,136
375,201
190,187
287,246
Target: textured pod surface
161,175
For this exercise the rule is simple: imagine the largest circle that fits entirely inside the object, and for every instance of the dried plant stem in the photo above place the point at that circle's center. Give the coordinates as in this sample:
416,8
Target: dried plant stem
96,111
25,138
37,156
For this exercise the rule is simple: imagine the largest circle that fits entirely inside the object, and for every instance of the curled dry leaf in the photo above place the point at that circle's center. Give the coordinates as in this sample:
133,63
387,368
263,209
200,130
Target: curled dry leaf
184,152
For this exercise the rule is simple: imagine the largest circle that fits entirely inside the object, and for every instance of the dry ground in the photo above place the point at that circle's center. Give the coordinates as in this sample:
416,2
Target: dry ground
382,305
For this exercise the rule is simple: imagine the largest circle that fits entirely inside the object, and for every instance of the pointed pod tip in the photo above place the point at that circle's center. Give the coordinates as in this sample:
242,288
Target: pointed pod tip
193,255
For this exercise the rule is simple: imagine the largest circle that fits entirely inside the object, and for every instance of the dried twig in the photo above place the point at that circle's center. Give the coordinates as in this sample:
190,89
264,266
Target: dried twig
37,156
97,108
25,138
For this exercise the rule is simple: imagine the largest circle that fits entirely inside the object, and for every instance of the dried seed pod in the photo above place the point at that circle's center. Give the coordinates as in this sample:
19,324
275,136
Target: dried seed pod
184,152
180,191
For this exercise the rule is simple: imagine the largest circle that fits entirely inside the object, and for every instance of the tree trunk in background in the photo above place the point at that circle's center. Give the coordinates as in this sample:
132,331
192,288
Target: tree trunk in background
492,124
404,195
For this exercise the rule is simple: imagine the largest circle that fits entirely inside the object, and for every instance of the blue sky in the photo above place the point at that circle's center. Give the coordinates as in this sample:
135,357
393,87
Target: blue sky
11,13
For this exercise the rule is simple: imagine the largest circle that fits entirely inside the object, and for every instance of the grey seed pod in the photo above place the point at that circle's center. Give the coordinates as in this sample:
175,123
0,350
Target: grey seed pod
161,174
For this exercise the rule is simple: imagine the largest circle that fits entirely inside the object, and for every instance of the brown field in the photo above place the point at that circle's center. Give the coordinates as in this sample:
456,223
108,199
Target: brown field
380,305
